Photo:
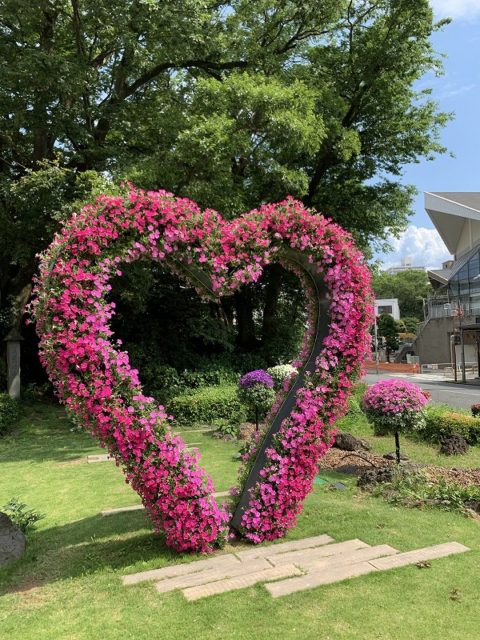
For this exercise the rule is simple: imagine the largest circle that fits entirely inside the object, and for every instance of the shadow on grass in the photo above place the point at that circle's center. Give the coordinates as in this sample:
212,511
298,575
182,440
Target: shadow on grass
86,547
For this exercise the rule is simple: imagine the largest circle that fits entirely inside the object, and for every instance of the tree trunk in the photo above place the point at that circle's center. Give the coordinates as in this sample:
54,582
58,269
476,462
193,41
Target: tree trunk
246,339
272,292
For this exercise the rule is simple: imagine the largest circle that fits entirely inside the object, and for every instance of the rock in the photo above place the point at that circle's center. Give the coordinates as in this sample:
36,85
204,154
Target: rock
371,477
393,456
473,505
338,485
453,445
12,541
347,442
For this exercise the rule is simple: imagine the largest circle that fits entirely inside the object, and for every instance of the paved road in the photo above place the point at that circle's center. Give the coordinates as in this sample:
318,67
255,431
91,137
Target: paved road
456,395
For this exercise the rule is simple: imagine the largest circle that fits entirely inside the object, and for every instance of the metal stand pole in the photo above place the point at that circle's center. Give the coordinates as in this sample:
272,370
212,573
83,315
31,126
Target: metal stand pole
397,447
376,344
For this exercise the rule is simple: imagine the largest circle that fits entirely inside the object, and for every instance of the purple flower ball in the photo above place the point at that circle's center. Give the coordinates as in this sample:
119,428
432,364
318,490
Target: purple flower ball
256,377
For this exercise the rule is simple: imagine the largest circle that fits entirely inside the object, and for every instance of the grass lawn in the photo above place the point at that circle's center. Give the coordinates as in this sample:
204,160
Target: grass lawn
68,583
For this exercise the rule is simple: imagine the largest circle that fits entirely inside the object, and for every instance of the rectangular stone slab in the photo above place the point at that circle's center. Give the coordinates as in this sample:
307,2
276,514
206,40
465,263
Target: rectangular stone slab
419,555
283,547
335,574
307,556
212,574
102,457
221,586
223,562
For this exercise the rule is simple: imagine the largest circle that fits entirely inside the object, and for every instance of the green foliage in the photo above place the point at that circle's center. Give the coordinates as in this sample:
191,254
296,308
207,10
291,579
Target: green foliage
416,489
410,287
207,404
9,413
232,105
258,398
410,323
21,516
407,422
442,421
227,427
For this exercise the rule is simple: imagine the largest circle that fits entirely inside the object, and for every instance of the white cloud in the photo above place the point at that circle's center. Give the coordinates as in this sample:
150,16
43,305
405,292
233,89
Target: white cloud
423,245
466,9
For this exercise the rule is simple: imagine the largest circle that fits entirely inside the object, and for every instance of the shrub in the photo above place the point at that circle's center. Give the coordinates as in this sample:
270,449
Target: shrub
280,373
227,428
207,404
256,391
475,408
454,445
395,406
441,422
9,412
21,516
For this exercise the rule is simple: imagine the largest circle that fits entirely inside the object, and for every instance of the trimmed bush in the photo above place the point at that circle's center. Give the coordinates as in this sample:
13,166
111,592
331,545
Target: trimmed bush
207,404
441,422
9,413
280,373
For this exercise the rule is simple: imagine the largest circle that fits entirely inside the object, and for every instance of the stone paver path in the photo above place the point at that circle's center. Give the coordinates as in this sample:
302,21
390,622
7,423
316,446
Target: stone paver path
105,457
139,507
287,567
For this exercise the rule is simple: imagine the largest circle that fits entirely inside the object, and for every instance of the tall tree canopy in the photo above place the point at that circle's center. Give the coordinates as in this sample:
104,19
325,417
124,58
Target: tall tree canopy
230,103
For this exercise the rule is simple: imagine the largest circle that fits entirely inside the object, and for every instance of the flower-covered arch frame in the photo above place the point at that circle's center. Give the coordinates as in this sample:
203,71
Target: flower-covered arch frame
94,379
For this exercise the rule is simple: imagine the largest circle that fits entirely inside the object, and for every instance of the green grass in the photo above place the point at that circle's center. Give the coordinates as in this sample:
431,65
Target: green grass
416,450
68,585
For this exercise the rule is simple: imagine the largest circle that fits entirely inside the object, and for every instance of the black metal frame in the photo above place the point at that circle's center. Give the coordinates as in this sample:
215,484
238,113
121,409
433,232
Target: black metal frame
298,259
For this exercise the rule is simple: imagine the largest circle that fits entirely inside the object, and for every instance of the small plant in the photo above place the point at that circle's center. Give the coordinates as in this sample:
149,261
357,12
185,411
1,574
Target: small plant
475,408
395,406
256,391
227,428
280,373
9,413
418,489
21,516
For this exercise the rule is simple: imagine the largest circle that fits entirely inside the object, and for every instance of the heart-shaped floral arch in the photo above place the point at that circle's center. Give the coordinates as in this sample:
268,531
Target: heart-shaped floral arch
97,384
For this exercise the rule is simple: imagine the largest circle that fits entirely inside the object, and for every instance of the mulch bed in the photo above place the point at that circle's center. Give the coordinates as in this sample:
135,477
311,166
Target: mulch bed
355,463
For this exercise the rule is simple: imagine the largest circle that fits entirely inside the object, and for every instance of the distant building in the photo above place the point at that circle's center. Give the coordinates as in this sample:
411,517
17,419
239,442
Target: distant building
406,264
387,305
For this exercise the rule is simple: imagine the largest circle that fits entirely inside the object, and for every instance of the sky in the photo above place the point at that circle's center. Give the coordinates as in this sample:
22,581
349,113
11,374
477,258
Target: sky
458,90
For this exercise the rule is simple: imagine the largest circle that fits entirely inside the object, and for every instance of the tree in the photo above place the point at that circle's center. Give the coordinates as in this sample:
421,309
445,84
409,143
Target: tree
232,104
410,287
387,329
410,323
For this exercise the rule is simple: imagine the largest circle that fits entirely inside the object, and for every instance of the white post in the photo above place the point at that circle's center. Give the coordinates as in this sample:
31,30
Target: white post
13,341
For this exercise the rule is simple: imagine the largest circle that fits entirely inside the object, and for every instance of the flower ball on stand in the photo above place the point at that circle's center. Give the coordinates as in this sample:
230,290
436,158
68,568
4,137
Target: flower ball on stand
395,406
256,391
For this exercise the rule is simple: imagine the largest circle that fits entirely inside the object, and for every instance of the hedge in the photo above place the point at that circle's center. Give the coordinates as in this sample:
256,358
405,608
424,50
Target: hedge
442,421
206,404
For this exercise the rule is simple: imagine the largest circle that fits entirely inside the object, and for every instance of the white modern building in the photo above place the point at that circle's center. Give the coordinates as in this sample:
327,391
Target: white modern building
451,332
387,305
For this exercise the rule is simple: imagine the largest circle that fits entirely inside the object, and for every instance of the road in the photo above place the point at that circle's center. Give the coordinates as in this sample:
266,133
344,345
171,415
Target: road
456,395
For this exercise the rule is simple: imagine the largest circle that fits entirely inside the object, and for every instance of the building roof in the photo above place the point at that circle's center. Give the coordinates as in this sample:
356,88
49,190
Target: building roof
448,211
440,275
